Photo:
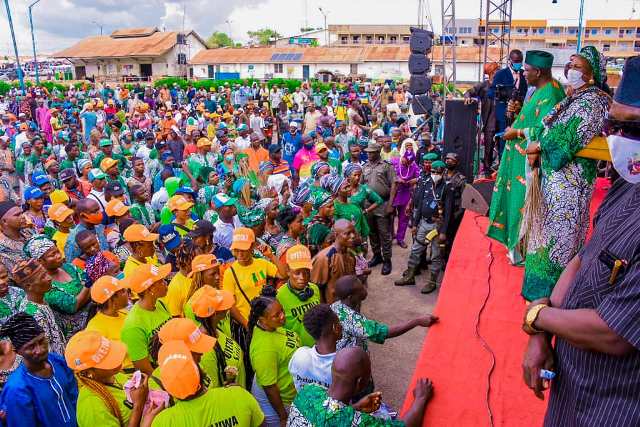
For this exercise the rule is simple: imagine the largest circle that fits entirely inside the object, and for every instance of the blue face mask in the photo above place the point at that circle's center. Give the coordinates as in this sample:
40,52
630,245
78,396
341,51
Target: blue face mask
517,66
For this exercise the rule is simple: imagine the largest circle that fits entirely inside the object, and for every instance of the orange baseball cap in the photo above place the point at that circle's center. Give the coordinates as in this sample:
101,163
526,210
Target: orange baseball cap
186,330
59,212
207,301
179,374
298,256
139,233
104,288
243,238
202,263
115,207
107,163
89,349
146,275
179,203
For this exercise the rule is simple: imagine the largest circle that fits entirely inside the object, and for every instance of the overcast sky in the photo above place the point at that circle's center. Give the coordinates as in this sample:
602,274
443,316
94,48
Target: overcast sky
59,23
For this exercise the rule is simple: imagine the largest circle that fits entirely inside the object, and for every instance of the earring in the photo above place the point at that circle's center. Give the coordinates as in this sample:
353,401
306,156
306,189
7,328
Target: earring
591,81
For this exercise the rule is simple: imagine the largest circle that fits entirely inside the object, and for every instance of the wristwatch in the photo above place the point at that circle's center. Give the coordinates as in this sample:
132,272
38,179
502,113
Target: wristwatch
532,316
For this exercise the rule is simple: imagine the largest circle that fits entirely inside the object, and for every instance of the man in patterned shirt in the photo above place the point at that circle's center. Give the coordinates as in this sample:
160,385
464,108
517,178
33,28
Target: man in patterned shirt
350,375
357,329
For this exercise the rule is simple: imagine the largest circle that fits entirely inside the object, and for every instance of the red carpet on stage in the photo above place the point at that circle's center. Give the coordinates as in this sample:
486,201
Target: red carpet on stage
454,357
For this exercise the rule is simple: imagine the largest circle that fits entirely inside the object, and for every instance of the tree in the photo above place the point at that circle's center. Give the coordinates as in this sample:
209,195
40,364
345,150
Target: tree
220,39
263,36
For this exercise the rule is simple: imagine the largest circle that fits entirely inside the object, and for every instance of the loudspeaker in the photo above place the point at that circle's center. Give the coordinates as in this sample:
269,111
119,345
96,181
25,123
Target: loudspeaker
422,104
419,63
460,134
419,84
420,40
477,196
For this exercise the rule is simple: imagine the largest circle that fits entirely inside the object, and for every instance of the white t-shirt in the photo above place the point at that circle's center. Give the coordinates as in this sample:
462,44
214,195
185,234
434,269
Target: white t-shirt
223,235
307,366
242,143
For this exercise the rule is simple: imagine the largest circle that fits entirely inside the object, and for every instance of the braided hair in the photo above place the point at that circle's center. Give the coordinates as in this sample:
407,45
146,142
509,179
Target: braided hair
185,254
221,361
319,319
101,391
258,306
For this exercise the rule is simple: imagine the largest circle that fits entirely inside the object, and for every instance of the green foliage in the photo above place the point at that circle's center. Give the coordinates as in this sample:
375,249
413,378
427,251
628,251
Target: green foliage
4,87
263,36
219,39
439,87
290,84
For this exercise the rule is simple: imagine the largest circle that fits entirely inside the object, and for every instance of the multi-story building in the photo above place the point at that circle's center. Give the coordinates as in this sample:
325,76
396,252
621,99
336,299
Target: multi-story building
466,32
362,35
615,37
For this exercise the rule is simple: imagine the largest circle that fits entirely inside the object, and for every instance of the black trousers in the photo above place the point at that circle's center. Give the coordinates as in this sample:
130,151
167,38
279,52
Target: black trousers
380,235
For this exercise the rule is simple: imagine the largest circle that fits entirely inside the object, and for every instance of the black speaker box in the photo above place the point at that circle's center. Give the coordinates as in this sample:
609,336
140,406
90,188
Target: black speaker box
420,40
422,104
419,63
460,134
477,196
419,84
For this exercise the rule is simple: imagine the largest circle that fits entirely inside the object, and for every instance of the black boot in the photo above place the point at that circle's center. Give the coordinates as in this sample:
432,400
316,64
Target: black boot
386,268
376,260
408,278
431,283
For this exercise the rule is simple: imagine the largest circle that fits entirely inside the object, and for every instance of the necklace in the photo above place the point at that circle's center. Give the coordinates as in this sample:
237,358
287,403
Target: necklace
403,176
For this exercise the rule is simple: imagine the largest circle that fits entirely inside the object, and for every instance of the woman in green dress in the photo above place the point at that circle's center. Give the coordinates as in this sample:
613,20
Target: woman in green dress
68,296
505,214
360,192
320,222
559,228
344,209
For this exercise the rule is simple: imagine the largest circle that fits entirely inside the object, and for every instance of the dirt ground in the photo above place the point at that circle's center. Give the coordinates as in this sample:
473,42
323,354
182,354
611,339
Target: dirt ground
394,361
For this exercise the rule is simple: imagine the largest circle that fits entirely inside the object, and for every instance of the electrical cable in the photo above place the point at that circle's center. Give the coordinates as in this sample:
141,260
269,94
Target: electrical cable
484,343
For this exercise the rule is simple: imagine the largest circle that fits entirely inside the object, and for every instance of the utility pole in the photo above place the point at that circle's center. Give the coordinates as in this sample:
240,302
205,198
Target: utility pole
326,30
580,27
33,42
15,46
99,26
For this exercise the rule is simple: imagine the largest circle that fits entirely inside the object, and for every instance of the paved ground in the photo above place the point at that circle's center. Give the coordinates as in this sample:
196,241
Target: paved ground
394,361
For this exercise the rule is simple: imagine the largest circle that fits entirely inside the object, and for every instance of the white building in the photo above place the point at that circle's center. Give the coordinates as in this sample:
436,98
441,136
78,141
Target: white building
133,53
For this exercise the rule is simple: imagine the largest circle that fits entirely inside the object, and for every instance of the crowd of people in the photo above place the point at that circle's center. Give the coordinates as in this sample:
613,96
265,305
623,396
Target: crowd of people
176,256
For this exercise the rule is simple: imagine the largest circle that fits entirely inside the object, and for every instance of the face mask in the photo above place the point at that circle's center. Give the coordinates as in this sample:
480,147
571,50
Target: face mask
625,156
517,66
228,158
574,77
94,218
436,178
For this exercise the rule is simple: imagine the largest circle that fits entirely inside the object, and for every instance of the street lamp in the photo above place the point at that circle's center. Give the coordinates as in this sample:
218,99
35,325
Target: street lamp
99,26
326,33
15,46
33,42
228,22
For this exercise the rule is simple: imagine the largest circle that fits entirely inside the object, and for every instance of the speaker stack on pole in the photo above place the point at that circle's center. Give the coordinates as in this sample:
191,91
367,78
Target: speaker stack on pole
420,44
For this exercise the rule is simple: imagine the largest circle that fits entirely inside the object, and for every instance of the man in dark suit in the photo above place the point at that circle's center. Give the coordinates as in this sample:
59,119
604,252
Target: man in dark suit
502,87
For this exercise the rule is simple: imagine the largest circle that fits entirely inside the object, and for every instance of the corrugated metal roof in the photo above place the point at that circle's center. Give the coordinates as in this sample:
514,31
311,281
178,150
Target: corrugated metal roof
329,55
152,45
369,29
134,32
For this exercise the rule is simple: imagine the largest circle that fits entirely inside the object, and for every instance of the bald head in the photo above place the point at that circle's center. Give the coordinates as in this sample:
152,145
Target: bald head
350,372
86,206
346,285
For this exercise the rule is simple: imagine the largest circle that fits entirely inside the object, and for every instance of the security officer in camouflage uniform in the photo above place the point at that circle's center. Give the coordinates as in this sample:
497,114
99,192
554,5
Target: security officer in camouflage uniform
380,176
457,181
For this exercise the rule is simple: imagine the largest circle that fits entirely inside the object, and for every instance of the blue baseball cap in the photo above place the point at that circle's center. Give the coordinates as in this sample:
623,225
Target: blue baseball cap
169,237
31,193
40,179
166,155
186,190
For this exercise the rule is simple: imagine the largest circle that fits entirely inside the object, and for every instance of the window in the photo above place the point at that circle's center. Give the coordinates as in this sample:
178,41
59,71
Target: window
540,30
535,31
608,31
182,39
495,30
182,59
573,30
628,32
344,39
277,68
556,31
519,30
369,39
594,31
355,39
381,40
405,39
353,69
606,47
393,39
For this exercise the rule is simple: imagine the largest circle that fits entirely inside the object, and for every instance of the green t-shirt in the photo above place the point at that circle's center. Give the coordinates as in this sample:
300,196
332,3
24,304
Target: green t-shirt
92,411
314,407
233,357
139,328
220,406
270,353
294,310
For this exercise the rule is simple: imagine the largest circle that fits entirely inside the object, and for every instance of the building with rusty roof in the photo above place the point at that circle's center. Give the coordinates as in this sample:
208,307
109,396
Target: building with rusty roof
133,54
375,62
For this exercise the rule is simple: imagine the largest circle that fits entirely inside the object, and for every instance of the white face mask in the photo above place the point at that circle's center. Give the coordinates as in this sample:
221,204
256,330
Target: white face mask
574,77
436,178
625,156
